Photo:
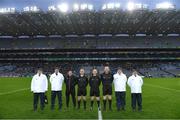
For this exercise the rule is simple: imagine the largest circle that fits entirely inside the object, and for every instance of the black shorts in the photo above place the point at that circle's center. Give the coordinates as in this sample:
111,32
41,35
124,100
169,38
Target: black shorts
107,90
82,92
94,92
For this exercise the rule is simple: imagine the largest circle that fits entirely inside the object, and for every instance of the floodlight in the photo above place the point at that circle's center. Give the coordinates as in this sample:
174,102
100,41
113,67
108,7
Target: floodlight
76,7
117,5
130,6
104,7
138,6
31,9
34,9
2,10
165,5
134,6
144,6
26,9
90,7
83,6
52,8
63,7
110,5
7,10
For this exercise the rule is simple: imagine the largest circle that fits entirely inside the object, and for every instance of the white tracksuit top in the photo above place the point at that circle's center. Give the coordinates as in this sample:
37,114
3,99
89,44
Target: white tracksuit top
119,82
56,81
39,84
135,83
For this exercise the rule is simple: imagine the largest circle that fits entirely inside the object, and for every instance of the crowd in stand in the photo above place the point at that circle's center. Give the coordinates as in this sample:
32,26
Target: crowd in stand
148,69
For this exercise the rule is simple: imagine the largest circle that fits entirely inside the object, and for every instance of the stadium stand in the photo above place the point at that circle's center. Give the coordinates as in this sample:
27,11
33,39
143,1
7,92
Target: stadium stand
150,69
91,22
147,40
91,42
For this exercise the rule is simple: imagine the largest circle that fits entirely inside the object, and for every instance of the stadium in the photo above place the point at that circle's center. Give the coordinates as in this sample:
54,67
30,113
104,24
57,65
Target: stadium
131,34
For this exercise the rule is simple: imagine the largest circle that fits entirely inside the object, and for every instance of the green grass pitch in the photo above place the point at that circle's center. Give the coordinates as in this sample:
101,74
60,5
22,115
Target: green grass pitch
161,100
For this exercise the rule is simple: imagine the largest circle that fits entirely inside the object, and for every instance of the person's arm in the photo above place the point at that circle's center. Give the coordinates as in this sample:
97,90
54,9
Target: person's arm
86,81
112,78
32,83
63,78
46,83
99,81
129,81
76,80
50,79
125,78
141,80
90,82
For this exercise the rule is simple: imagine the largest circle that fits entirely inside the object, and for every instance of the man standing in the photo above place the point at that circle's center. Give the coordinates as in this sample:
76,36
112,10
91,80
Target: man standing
107,79
135,82
70,81
82,84
120,80
56,80
39,85
94,82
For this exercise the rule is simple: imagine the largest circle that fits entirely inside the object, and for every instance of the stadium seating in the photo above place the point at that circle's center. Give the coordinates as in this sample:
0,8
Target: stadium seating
150,69
96,43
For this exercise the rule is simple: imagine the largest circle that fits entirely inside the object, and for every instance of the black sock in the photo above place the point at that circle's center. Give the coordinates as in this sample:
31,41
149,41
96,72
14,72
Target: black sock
92,103
84,104
79,103
98,102
35,108
110,103
104,102
74,103
67,103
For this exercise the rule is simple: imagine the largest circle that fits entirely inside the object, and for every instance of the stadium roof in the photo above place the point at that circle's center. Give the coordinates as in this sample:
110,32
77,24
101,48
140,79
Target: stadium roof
43,4
91,23
91,18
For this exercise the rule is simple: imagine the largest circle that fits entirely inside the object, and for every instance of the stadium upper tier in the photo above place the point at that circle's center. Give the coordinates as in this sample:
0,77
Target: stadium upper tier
113,22
90,43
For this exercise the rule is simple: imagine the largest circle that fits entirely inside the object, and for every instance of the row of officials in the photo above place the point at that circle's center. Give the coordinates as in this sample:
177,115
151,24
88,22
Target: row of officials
39,86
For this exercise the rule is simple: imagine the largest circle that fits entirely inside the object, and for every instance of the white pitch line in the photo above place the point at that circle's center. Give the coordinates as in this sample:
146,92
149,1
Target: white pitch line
99,115
156,86
10,92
